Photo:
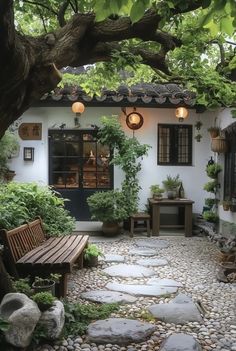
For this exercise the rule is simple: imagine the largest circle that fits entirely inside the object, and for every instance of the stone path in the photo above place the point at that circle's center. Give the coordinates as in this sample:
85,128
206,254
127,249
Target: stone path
176,323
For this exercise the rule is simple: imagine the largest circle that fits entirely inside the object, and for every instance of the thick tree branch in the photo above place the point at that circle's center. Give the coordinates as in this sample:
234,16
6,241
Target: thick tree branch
61,13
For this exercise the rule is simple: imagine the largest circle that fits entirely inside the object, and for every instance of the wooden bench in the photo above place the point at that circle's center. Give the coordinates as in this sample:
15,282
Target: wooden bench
29,252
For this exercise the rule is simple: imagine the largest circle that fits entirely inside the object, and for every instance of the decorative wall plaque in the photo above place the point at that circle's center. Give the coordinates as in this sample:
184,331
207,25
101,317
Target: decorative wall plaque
30,131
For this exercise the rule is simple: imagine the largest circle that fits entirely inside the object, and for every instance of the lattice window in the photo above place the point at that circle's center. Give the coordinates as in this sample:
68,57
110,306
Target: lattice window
174,144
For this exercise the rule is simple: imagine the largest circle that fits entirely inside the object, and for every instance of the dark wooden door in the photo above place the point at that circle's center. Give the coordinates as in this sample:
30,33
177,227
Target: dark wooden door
78,167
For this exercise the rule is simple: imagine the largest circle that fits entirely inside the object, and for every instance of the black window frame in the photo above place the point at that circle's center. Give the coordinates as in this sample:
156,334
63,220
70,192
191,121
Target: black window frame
230,163
174,144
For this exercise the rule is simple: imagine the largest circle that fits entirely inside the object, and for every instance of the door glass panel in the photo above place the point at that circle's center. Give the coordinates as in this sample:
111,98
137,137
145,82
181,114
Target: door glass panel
72,149
71,137
58,179
89,137
103,180
89,163
58,148
88,149
72,179
89,180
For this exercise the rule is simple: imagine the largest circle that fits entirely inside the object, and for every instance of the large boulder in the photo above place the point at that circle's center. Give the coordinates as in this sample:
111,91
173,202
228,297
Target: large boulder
23,314
53,320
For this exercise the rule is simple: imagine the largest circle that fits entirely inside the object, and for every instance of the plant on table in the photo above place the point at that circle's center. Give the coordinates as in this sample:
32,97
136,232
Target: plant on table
171,185
156,191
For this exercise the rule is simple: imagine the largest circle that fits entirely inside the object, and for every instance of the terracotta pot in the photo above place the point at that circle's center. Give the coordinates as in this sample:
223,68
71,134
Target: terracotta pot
214,133
91,262
110,228
171,194
226,207
219,145
9,176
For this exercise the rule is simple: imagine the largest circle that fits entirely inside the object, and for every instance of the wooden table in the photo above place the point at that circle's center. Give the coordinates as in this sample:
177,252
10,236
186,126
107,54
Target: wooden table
155,208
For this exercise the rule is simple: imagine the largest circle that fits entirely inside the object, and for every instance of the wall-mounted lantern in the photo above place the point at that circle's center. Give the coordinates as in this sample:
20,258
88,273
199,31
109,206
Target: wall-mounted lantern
181,113
78,108
134,120
28,153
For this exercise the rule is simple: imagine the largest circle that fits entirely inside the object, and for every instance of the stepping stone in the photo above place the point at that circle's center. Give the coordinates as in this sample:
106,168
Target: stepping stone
164,282
142,290
180,342
143,251
177,312
129,271
154,262
113,258
119,331
154,244
104,296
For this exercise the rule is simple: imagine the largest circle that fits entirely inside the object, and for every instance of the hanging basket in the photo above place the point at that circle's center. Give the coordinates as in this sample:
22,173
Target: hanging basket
219,145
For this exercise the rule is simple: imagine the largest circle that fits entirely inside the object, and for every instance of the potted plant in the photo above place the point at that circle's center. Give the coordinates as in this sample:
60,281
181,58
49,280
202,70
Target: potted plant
214,131
226,204
213,170
211,186
9,147
210,216
44,300
46,284
157,191
171,185
210,202
109,208
91,254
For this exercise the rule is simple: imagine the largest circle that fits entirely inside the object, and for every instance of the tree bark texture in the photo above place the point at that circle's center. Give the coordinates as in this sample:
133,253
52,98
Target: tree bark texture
29,66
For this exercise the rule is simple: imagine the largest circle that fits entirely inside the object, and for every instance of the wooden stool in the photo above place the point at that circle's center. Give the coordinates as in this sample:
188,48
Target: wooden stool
145,217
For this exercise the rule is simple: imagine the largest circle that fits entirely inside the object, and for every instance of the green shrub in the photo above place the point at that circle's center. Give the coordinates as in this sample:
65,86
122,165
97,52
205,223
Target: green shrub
79,316
22,202
213,170
211,186
22,286
107,206
210,216
44,300
210,202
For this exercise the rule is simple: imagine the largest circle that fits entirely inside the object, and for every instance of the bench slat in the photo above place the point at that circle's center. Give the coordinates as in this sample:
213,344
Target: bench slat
63,250
27,257
76,251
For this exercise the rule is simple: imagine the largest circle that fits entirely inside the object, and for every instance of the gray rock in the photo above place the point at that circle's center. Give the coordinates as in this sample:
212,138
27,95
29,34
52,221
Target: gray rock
23,314
154,262
152,243
176,313
164,282
119,331
129,270
53,320
180,342
141,290
143,251
182,298
105,296
113,258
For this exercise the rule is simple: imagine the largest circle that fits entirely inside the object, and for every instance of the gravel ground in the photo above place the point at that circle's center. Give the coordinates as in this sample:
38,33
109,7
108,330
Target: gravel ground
192,262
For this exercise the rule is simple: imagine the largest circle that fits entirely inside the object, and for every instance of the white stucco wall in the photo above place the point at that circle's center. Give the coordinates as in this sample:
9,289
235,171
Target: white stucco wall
193,177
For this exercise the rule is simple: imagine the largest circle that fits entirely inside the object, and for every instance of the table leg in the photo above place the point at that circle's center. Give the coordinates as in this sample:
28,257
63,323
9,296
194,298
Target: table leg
155,219
188,217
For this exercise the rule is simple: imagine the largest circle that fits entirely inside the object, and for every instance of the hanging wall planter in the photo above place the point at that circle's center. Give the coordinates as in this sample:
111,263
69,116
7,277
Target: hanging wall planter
219,145
214,131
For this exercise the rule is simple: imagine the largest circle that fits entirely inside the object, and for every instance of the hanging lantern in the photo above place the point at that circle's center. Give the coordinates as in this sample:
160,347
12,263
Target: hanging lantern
134,120
181,113
78,108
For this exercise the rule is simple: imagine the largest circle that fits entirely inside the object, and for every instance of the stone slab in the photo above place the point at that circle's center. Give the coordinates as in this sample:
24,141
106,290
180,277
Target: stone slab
180,342
105,296
141,290
153,262
176,313
128,271
143,251
119,331
113,258
164,282
182,298
154,244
